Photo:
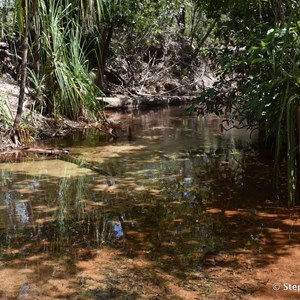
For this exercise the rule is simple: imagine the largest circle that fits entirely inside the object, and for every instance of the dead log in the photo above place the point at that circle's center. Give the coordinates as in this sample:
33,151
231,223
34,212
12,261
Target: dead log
46,151
22,154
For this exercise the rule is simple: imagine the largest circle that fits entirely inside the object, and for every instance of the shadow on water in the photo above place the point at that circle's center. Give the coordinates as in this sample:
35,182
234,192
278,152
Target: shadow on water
172,199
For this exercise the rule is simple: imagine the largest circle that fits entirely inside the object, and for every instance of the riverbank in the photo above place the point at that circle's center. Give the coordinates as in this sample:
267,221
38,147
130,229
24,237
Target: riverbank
41,127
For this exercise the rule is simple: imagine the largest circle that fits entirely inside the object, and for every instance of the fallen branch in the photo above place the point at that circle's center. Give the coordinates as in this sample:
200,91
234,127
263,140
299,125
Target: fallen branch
37,151
46,151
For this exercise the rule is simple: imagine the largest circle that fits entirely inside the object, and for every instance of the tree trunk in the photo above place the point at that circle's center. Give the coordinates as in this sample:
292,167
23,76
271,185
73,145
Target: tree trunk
298,121
103,53
4,12
22,86
200,44
36,39
193,24
281,13
181,20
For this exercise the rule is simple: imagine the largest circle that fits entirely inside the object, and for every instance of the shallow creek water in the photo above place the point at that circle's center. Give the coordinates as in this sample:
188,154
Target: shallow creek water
154,196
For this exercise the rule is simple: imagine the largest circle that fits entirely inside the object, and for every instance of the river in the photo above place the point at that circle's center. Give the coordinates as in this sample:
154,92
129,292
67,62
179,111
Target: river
158,197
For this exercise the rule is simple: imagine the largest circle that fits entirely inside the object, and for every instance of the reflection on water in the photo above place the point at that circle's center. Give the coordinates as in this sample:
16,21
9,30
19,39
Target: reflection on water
153,198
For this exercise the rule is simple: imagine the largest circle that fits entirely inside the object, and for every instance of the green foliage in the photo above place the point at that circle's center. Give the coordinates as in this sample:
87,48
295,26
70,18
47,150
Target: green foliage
260,85
6,115
272,92
58,46
37,84
69,85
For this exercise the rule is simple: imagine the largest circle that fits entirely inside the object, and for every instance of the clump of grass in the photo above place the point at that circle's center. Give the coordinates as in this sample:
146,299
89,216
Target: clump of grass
69,86
6,115
7,121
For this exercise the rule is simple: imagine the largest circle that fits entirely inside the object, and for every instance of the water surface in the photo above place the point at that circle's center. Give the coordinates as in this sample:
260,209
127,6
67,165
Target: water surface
152,195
